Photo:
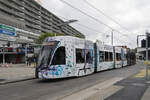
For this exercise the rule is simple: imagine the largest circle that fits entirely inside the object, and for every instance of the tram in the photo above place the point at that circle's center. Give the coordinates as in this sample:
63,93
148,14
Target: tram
124,56
104,57
117,57
67,56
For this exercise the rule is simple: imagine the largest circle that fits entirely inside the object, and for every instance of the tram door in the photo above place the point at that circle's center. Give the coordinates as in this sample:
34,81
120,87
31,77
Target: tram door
95,55
1,58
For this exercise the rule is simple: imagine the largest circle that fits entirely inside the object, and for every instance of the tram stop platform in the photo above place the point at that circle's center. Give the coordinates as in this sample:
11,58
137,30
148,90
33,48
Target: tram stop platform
135,87
11,73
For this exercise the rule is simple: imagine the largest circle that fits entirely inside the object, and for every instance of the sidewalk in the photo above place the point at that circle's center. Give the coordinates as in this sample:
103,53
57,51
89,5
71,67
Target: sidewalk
15,73
134,87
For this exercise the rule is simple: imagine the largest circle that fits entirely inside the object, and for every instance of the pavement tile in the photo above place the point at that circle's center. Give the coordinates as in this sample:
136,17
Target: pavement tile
134,88
16,73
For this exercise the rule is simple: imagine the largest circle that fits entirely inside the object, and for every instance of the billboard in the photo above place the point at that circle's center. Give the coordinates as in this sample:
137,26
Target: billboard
7,30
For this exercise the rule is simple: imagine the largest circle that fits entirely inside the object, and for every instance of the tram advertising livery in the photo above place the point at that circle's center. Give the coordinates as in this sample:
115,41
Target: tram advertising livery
66,56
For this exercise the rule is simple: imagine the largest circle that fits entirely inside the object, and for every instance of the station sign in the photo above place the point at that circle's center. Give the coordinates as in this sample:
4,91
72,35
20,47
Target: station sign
16,50
7,30
7,37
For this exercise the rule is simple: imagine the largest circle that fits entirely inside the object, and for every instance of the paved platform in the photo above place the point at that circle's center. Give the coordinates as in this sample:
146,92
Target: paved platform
146,95
15,73
134,87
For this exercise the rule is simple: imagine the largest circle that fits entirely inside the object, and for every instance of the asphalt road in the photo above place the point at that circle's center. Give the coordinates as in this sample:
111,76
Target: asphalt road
54,89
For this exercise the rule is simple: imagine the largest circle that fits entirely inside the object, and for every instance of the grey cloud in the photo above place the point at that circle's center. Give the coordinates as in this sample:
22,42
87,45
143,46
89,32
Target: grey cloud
132,14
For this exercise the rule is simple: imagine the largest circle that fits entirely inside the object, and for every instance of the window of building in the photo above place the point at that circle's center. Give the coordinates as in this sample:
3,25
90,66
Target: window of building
59,57
80,56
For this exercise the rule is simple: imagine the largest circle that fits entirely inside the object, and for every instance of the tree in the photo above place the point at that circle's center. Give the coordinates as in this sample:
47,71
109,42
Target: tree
42,37
80,36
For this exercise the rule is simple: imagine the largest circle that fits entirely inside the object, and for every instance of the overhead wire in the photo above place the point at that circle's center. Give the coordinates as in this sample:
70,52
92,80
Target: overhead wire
100,11
85,26
97,20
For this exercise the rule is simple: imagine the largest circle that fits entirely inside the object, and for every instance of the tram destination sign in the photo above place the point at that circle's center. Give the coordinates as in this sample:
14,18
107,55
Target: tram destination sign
7,30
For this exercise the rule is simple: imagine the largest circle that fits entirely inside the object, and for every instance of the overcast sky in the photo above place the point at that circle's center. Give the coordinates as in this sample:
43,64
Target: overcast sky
131,14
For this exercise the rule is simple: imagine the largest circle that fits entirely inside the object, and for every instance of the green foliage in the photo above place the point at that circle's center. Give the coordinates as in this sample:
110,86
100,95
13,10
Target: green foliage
80,36
42,37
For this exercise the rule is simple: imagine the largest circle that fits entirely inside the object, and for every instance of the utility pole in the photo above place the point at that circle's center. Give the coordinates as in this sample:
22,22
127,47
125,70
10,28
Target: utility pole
147,55
26,53
137,41
112,37
3,55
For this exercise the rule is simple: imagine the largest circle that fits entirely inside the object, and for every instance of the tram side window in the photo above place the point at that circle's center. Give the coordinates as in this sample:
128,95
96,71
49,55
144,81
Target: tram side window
125,56
101,56
106,56
80,56
111,56
59,57
89,57
118,56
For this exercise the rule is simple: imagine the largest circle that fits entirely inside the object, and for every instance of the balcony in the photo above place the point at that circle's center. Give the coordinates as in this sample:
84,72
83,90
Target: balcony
11,5
32,5
46,18
31,15
45,30
46,22
46,27
32,25
19,2
29,7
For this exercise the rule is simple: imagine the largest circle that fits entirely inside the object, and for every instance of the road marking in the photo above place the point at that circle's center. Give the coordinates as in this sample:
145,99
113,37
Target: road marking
141,74
96,92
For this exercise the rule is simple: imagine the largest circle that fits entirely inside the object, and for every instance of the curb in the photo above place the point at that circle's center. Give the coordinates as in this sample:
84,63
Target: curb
15,81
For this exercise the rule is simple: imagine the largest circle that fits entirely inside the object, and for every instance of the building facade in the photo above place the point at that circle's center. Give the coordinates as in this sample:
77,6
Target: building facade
30,16
22,21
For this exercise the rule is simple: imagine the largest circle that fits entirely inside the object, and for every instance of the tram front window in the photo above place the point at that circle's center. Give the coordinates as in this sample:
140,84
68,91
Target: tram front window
46,54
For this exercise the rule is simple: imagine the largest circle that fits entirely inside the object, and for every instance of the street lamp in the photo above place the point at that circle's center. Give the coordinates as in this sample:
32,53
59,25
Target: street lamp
67,22
64,24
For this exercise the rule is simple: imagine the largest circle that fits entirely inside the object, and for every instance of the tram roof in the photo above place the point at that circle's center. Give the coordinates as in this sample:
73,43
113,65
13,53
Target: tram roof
65,38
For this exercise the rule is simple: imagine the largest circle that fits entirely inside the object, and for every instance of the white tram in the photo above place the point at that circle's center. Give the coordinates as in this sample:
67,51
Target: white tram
65,56
118,57
105,57
124,57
